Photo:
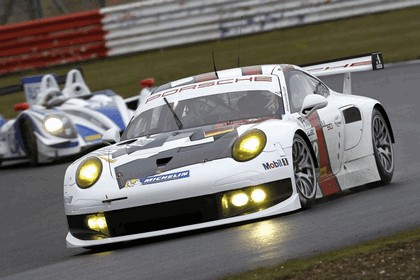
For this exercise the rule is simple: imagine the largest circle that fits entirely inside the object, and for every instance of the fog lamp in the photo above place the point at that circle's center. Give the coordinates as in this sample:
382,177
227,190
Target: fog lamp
239,199
97,223
258,195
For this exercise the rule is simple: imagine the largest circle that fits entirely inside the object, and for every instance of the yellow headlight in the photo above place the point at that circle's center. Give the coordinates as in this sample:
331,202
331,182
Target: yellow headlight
88,172
249,145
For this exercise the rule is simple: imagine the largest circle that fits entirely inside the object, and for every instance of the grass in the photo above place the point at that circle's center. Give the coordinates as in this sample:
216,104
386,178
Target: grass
395,257
396,34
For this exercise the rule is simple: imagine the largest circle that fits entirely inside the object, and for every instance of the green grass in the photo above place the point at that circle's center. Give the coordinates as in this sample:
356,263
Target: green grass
395,257
396,34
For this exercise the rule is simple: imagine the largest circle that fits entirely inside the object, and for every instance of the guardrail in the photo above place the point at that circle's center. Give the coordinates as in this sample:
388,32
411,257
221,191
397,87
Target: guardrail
156,24
165,23
52,41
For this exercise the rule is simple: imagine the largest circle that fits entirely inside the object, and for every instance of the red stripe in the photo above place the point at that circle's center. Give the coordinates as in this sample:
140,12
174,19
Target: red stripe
205,77
251,70
52,41
327,180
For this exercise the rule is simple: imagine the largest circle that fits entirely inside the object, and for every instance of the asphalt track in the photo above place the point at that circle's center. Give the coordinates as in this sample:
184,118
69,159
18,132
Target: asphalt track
33,225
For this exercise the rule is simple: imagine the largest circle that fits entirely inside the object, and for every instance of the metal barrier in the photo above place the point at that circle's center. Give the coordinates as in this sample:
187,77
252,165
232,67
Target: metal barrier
165,23
52,41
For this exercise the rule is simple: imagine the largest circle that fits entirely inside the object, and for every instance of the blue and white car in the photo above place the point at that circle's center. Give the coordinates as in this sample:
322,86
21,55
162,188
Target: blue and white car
228,147
56,123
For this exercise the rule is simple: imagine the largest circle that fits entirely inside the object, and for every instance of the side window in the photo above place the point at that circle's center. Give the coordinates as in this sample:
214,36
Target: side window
299,85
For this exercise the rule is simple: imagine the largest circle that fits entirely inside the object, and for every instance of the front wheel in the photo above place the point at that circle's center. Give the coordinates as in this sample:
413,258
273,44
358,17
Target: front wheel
29,141
304,171
382,147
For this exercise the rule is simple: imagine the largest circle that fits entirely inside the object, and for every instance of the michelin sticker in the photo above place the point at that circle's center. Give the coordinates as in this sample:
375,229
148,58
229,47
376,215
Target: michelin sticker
157,179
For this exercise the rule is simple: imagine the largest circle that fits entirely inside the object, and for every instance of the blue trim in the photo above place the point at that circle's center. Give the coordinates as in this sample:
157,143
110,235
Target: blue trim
85,132
65,145
114,114
32,79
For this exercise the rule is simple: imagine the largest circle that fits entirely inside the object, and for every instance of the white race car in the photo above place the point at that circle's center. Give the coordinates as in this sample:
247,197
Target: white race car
227,147
53,124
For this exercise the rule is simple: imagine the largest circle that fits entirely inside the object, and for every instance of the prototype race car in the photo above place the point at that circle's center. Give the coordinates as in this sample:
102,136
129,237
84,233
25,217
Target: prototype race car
53,124
227,147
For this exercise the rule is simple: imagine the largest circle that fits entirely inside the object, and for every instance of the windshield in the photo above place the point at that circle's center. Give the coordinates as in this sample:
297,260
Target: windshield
205,110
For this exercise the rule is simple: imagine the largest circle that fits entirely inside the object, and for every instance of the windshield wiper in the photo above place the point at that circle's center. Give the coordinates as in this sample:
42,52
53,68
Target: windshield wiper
177,120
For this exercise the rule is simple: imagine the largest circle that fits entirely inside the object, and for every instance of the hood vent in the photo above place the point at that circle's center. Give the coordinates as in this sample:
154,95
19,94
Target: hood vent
162,162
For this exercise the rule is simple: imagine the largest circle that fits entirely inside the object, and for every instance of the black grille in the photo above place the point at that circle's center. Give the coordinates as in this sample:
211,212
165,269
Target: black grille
171,214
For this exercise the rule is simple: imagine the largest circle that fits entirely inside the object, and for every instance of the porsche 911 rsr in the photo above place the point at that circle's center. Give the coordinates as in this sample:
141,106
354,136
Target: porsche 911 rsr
227,147
53,124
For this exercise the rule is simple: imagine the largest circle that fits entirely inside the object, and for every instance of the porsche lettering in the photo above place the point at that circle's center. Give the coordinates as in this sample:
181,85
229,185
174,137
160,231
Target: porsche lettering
210,84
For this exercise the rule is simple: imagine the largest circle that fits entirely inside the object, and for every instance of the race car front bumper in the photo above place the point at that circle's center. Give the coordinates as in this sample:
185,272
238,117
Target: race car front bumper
183,212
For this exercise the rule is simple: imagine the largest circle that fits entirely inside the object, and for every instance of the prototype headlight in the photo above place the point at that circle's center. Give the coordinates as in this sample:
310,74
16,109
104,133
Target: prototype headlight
58,125
249,145
88,172
54,125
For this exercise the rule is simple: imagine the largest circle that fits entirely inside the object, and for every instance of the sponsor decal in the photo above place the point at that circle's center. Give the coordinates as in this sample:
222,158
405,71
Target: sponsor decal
275,164
157,179
328,126
252,79
377,61
93,137
107,159
311,132
132,183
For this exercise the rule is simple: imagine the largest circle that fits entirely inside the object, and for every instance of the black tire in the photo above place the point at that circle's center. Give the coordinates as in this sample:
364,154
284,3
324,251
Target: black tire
304,171
29,141
382,147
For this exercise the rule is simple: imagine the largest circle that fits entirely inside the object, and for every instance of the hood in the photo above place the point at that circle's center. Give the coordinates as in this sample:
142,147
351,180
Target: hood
148,156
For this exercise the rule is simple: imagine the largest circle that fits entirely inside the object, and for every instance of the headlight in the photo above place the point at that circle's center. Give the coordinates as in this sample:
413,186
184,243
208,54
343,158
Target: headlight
249,145
59,126
88,172
54,125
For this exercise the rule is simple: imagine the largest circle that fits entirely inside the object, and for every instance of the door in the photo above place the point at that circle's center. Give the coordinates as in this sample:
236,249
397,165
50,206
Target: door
327,123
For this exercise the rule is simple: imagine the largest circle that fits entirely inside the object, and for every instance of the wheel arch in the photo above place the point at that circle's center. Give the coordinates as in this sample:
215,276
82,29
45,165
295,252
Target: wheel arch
381,109
19,126
308,142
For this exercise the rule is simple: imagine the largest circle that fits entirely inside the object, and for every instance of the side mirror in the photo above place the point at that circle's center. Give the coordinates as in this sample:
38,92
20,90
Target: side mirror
111,136
312,103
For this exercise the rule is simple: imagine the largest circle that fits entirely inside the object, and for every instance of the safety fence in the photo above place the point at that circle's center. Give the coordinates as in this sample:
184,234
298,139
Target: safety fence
157,24
52,41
